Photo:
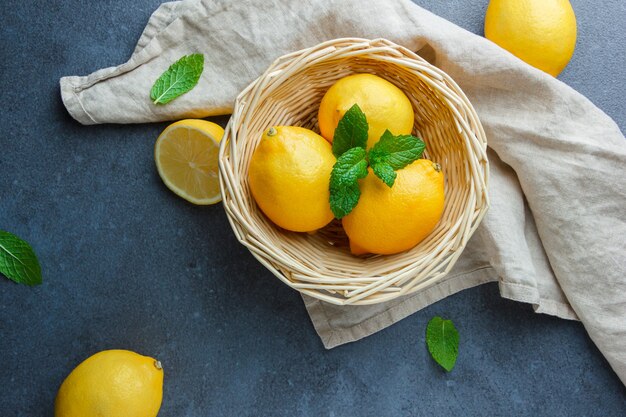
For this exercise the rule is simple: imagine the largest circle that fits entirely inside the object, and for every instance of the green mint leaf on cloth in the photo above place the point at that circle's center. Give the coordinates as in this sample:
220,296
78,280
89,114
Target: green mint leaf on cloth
443,342
180,77
351,131
344,186
18,262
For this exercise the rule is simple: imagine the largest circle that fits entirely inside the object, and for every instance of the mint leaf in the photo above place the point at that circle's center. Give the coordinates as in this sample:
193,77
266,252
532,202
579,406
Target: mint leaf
18,262
344,185
443,342
392,153
180,77
344,199
350,167
351,131
397,151
385,172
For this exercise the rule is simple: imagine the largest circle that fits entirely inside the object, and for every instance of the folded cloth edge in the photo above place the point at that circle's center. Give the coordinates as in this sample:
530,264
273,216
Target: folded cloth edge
72,102
332,337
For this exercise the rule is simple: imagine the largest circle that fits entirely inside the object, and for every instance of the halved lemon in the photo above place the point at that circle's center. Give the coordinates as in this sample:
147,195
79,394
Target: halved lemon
186,156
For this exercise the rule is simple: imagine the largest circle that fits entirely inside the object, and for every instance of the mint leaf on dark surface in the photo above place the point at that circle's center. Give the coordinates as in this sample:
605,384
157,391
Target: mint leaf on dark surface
18,261
351,131
396,151
442,339
344,185
180,77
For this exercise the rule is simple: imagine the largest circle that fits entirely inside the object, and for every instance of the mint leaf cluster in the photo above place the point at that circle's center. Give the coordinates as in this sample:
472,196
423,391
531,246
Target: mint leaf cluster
388,155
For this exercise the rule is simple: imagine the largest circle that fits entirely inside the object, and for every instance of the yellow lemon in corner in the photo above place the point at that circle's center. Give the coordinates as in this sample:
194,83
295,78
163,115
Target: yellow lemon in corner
385,106
540,32
289,175
186,156
112,383
391,220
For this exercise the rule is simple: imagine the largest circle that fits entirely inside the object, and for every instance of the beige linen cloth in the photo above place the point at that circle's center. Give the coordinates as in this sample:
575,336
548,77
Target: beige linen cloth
555,235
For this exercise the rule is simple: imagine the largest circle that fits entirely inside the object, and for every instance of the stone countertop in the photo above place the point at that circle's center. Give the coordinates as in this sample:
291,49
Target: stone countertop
127,264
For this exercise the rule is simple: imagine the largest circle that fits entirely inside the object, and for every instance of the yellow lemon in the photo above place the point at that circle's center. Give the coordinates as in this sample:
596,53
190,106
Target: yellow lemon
112,383
289,176
540,32
385,106
186,156
391,220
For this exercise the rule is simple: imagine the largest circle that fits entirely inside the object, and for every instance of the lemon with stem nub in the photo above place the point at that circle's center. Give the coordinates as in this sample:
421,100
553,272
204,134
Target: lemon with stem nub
112,383
389,220
289,175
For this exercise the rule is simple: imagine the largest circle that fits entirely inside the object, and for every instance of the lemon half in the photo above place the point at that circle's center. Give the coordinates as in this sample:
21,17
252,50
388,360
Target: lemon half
186,156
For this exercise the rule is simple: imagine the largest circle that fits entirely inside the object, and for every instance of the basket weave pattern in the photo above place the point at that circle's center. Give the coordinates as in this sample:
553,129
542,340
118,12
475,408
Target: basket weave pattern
320,264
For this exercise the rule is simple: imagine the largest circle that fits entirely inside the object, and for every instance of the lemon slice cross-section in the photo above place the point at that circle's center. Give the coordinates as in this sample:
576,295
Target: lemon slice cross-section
186,156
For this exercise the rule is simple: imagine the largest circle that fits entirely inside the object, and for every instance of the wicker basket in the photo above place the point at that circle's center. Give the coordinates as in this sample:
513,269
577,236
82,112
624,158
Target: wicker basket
320,265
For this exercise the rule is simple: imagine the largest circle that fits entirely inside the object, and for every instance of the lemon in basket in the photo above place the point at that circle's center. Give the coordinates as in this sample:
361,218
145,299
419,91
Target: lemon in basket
112,383
385,106
391,220
186,156
289,175
540,32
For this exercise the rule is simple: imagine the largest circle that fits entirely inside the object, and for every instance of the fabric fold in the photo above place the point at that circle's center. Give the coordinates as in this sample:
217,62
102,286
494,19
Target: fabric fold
555,235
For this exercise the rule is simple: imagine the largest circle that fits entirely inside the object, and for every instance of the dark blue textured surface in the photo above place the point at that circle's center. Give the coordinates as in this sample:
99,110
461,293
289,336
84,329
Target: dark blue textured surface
129,265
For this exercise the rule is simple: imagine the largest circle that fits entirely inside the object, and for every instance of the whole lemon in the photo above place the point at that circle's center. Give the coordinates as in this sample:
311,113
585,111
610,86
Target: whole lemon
112,383
289,176
540,32
391,220
385,106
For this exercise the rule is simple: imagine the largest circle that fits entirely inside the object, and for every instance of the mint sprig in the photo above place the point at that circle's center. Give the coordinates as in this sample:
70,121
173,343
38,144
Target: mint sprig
180,77
388,155
18,261
442,339
344,186
351,131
